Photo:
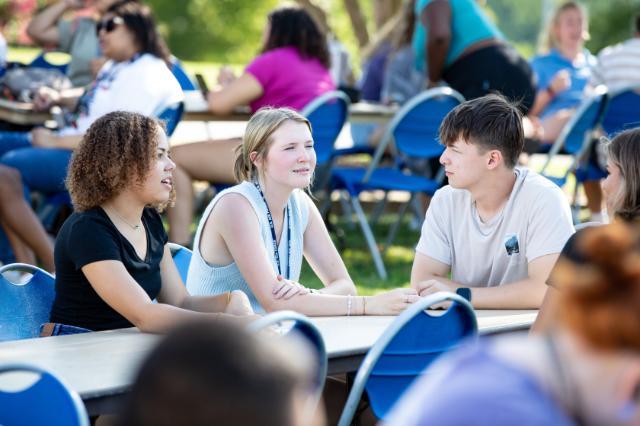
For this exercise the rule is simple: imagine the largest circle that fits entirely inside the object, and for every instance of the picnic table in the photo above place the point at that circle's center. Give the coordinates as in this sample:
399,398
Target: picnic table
21,113
196,109
101,366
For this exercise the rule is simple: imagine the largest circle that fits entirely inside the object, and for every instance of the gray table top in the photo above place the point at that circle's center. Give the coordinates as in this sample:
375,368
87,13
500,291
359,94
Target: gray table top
104,363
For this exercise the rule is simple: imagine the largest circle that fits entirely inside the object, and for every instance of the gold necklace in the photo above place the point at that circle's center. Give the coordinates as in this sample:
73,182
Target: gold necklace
134,227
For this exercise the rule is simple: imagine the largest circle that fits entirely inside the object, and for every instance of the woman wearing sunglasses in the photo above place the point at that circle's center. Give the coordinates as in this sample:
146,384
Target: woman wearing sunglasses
136,78
76,36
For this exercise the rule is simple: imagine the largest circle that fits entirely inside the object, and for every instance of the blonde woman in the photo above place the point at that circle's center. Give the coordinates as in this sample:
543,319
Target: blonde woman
252,236
563,70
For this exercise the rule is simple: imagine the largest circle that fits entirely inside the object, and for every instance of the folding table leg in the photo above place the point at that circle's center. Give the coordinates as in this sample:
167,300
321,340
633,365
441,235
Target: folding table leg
368,235
394,228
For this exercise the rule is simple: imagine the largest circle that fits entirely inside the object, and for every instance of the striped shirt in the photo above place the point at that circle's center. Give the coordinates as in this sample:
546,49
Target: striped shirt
618,66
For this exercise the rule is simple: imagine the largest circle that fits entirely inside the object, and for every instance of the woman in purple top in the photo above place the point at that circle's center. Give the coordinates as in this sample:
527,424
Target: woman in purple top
292,69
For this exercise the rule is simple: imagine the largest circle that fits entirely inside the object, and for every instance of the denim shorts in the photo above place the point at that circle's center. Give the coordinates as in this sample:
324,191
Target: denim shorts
56,329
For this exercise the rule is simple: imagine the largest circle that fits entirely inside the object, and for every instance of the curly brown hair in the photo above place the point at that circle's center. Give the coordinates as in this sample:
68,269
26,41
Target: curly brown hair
117,151
600,287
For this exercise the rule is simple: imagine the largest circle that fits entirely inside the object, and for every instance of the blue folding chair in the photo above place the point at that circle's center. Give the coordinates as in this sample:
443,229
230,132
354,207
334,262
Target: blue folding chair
408,346
25,306
414,132
181,75
308,330
182,258
172,116
576,138
327,113
41,61
622,111
48,401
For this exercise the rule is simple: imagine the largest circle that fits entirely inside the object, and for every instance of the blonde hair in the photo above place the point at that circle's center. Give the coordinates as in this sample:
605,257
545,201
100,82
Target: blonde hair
550,41
257,137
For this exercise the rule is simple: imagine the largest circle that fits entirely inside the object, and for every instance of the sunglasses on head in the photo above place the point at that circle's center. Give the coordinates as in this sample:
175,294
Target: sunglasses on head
109,24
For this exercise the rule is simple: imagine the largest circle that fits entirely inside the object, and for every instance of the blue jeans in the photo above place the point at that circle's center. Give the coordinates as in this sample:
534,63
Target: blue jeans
13,140
56,329
42,169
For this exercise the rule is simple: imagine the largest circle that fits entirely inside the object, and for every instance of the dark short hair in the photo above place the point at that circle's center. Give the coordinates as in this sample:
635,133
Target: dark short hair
489,122
212,373
139,19
294,27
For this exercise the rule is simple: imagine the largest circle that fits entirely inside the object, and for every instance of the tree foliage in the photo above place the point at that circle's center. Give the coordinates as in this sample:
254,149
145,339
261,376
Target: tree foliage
220,30
230,30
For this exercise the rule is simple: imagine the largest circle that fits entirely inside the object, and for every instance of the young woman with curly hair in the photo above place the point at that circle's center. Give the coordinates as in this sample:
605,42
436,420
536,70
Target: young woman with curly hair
584,371
111,255
136,78
292,69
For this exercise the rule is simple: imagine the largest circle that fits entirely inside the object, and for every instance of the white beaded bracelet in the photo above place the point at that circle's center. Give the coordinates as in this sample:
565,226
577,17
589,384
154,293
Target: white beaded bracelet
348,305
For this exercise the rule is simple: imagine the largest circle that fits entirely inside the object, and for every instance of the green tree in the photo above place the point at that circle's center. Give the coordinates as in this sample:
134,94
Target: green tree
220,30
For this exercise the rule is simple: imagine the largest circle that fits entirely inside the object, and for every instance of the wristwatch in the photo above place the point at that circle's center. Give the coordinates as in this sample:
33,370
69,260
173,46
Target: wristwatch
464,292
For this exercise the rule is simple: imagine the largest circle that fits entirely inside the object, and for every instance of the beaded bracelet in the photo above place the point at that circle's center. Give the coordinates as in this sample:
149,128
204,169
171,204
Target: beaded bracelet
348,305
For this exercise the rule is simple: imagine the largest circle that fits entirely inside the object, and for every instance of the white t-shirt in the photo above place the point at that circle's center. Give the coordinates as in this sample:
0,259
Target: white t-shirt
3,50
536,221
144,85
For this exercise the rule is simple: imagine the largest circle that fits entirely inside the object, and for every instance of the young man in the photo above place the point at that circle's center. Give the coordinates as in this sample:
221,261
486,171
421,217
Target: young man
496,228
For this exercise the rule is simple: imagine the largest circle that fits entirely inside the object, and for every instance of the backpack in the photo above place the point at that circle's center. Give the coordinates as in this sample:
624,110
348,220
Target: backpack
21,84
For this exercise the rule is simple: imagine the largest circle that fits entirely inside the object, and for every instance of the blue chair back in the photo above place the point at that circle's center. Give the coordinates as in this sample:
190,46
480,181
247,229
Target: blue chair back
623,110
48,401
41,62
406,348
172,116
327,114
576,136
24,307
181,75
308,330
182,258
415,127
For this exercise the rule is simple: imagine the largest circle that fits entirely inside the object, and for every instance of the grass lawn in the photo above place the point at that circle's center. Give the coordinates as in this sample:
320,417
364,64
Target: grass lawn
353,249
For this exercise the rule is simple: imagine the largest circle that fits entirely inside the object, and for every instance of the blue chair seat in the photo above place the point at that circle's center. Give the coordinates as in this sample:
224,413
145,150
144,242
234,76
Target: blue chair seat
413,133
388,179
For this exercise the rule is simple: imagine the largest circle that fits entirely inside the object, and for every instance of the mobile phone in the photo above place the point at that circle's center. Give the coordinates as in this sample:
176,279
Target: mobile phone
202,85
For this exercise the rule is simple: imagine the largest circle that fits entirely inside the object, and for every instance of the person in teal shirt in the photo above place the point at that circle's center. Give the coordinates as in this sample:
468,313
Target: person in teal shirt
453,37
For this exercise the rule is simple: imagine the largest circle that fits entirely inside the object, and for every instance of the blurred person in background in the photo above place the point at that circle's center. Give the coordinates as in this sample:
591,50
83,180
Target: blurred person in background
213,373
77,36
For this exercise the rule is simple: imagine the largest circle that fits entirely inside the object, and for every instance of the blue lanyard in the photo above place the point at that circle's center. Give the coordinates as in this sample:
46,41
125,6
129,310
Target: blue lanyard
276,254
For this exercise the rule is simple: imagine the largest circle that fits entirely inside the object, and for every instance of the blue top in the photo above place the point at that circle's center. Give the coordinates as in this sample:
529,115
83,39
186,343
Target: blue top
469,25
546,66
471,386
